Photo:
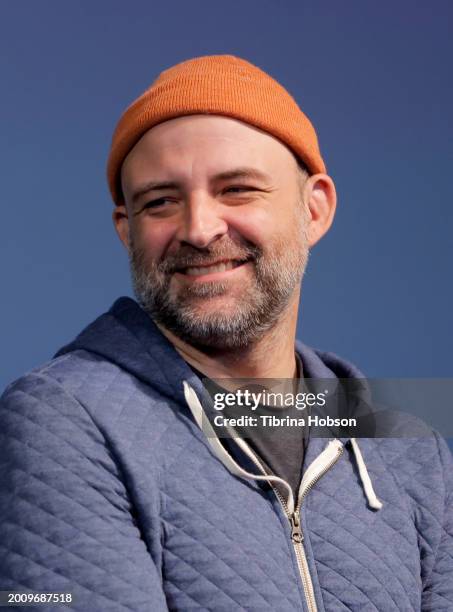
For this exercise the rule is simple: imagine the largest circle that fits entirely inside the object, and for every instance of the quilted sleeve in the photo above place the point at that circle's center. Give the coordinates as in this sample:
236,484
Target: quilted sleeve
67,523
438,591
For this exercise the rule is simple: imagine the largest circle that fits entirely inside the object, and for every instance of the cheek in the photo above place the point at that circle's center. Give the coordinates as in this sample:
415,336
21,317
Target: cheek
255,225
280,237
154,238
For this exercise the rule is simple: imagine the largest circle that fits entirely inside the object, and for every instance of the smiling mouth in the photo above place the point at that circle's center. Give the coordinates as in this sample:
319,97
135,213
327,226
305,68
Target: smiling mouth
221,266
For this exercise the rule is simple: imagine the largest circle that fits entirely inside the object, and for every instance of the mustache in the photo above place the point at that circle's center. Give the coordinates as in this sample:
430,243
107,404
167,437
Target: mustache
190,257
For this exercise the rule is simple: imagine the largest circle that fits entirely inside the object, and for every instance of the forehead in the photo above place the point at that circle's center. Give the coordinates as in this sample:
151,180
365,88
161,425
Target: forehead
204,143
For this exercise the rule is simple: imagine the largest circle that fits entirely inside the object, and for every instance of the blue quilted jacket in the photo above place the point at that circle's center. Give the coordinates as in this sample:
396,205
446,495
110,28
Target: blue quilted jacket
110,490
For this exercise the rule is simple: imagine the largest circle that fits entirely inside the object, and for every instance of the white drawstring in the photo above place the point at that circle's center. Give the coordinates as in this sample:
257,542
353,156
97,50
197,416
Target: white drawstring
371,496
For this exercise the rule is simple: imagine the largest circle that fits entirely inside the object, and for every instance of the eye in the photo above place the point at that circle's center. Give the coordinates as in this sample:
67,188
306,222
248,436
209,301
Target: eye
156,203
239,188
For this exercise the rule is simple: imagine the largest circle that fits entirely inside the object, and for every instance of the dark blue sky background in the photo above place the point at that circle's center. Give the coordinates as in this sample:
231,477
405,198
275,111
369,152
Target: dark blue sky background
376,80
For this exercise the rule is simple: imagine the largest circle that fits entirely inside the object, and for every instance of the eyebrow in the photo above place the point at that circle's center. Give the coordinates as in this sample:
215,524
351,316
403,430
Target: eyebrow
236,173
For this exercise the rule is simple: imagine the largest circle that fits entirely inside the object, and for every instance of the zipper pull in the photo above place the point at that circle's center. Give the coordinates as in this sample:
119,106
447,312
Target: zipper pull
296,531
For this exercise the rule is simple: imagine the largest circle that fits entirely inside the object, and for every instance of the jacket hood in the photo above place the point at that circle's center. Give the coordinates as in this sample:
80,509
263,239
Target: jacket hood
126,336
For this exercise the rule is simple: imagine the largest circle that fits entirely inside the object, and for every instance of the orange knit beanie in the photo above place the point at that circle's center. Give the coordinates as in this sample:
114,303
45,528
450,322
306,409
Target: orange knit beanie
218,85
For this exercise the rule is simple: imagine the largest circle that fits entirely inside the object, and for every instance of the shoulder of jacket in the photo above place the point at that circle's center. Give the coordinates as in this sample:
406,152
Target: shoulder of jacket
59,384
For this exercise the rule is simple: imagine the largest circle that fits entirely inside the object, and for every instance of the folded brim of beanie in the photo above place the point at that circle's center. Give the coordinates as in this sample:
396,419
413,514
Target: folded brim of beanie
220,85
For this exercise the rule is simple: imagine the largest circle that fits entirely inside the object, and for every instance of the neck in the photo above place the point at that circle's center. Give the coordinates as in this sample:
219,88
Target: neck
270,356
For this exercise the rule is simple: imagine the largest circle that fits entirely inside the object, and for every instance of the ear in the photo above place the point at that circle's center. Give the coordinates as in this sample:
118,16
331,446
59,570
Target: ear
320,198
121,223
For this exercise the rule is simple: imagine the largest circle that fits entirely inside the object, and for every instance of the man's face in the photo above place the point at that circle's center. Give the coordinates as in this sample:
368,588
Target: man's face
216,229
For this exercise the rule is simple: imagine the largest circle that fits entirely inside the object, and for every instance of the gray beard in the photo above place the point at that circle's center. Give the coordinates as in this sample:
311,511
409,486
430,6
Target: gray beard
259,307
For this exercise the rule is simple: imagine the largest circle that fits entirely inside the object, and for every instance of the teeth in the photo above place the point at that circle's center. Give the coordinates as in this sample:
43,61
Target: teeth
222,267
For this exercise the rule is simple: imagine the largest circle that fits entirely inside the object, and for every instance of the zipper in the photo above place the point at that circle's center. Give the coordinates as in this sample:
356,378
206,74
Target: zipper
315,472
298,537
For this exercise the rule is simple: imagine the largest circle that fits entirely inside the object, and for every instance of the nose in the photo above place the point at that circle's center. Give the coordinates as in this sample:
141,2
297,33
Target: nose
202,222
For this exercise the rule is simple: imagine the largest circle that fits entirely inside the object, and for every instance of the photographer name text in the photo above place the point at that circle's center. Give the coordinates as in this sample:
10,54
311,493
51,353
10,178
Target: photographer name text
275,421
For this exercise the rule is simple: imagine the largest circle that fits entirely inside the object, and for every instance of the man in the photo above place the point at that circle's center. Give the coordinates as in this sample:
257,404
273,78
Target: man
114,485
